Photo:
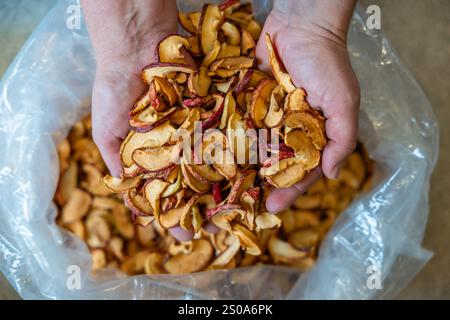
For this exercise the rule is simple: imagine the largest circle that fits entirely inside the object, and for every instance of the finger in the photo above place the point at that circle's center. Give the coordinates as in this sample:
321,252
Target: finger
181,234
280,199
109,147
211,228
188,58
341,129
262,56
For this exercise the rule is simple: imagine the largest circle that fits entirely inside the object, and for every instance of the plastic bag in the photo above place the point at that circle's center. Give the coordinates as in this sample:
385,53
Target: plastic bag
47,88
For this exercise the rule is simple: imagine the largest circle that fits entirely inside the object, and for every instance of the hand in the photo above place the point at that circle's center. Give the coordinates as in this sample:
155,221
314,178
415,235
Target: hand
123,44
315,56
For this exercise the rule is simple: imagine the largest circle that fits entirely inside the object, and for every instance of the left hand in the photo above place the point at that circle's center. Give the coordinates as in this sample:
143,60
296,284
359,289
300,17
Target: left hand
317,60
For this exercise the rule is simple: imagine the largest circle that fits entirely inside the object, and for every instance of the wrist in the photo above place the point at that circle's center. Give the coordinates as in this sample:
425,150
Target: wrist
131,30
329,19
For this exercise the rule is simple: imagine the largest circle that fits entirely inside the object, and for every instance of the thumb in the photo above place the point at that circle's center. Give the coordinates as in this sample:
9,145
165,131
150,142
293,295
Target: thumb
281,199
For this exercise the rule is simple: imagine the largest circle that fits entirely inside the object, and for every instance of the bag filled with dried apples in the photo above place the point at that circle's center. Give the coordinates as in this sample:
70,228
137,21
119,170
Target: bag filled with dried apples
127,231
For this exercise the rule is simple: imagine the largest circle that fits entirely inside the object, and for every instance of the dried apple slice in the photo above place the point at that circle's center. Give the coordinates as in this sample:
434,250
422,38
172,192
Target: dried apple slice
227,255
248,239
223,215
208,28
194,49
140,103
192,117
303,148
228,110
232,63
266,220
195,18
217,112
304,239
173,188
295,101
306,121
122,221
241,18
247,43
199,83
197,260
243,182
187,23
260,101
157,137
148,119
119,185
244,81
137,203
231,33
179,116
77,228
212,55
161,69
229,51
171,218
153,191
223,73
283,252
254,28
275,113
229,171
282,77
154,263
308,201
189,210
165,87
98,259
226,86
250,202
287,177
207,172
228,4
256,77
93,181
193,182
156,159
67,183
169,49
98,231
77,206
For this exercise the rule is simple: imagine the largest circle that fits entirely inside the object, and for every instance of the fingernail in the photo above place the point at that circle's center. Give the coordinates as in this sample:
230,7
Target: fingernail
271,207
180,234
274,206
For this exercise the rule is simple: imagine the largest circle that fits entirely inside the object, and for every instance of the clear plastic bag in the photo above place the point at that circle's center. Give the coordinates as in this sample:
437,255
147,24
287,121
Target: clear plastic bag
47,89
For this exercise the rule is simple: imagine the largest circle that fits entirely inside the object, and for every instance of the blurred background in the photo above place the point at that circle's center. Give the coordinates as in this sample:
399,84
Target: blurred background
419,30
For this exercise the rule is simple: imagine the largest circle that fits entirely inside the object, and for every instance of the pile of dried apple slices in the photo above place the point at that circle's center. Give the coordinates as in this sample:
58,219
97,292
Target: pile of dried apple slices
164,180
99,217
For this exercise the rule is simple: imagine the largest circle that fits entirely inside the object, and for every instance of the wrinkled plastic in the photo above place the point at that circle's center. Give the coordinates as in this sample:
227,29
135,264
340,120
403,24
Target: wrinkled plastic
47,89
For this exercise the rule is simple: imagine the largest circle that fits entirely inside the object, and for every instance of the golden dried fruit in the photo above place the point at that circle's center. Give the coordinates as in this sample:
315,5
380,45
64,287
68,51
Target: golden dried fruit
194,261
156,159
169,49
260,101
77,206
283,252
209,25
282,77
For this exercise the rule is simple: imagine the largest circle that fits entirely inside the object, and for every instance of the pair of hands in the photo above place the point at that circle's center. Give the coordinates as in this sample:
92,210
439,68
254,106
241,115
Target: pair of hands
313,50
